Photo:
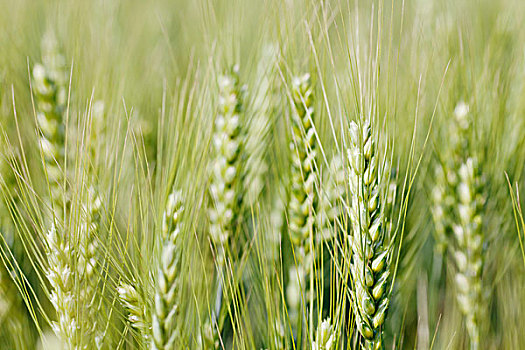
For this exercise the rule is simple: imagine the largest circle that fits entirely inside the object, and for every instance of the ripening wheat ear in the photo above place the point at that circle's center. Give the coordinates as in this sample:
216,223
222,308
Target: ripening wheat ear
71,267
49,87
468,252
226,172
302,197
443,196
458,204
258,129
136,309
369,239
88,251
61,277
87,265
442,205
324,336
468,231
166,326
225,185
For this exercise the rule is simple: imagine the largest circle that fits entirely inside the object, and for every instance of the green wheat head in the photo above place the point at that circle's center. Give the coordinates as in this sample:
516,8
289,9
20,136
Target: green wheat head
302,199
226,173
369,240
166,326
49,81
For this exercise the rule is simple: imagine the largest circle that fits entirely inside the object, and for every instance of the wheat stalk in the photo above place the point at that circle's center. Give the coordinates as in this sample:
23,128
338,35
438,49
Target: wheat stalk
369,239
166,325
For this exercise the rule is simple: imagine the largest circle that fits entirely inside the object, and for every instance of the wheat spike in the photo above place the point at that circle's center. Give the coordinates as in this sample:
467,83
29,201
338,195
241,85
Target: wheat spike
442,205
165,325
324,336
302,197
226,174
49,81
468,253
73,292
467,228
62,294
458,212
136,309
87,252
209,337
444,196
369,238
226,186
259,127
49,87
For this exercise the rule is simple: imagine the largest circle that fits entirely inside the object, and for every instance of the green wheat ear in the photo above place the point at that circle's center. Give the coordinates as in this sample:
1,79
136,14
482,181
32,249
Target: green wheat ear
136,309
459,198
226,172
49,81
302,195
87,265
258,129
369,239
226,189
324,336
468,229
444,197
468,253
166,326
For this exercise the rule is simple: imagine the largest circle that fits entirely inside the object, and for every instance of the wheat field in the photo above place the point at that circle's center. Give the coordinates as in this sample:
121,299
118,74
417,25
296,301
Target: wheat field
245,174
